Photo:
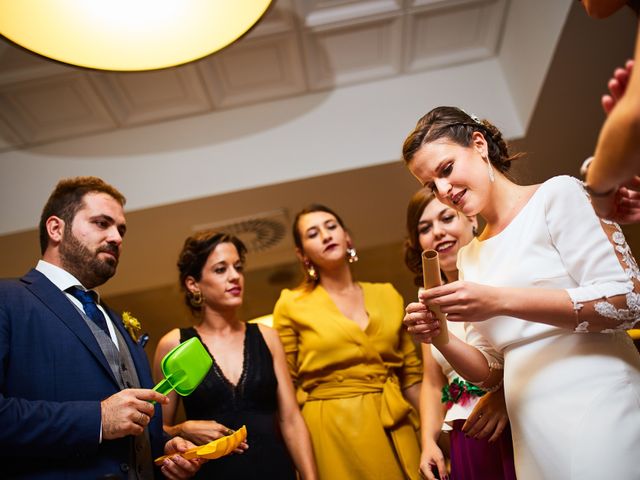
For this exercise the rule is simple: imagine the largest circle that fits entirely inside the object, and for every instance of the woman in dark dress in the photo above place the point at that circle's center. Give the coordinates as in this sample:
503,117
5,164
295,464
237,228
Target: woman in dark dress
248,384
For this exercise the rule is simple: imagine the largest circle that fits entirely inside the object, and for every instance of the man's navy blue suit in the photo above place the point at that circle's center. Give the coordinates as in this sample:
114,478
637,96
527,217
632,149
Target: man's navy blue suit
53,376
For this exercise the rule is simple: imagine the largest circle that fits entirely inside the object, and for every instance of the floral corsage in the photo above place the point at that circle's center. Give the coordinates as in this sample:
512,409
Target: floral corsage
132,325
460,391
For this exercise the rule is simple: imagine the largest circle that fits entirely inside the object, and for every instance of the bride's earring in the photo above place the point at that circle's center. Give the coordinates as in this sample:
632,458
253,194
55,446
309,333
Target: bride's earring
492,176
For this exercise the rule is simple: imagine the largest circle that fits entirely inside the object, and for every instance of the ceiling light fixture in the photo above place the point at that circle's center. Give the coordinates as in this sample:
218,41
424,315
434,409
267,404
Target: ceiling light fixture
127,35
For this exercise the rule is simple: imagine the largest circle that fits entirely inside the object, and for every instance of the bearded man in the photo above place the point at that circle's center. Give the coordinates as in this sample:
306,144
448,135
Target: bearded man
75,387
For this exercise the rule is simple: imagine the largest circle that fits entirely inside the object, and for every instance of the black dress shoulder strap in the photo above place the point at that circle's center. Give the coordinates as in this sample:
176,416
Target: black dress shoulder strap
187,333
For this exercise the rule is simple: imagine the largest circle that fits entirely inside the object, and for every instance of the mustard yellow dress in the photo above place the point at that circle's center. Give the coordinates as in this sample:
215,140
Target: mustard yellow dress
350,380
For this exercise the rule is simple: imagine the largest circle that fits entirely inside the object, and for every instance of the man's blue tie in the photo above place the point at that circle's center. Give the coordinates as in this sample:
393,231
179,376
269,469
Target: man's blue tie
89,306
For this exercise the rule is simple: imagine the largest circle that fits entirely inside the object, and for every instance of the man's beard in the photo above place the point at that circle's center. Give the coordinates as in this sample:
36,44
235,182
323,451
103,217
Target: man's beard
84,264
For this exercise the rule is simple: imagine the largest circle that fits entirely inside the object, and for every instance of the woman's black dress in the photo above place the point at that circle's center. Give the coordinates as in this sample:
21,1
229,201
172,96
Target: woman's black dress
252,402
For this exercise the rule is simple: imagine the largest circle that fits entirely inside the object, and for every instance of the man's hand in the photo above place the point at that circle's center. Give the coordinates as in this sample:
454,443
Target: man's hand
128,412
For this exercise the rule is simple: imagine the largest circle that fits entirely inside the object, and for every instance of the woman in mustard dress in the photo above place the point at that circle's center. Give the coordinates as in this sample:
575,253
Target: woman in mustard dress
356,369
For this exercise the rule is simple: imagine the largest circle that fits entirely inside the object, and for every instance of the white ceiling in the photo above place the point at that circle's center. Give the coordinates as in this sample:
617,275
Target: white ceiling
318,87
312,105
300,47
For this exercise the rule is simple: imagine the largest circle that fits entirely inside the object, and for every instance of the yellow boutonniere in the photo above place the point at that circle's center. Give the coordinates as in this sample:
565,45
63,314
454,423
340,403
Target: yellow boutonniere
132,325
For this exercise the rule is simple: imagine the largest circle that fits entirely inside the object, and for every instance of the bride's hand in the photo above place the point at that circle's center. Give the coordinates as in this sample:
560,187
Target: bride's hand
463,301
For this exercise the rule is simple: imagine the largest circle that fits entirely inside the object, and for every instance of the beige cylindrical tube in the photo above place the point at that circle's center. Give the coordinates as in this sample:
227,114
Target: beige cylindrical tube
431,278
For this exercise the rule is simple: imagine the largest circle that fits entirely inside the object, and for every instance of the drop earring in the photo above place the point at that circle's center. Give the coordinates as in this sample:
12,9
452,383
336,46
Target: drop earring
352,255
492,176
310,270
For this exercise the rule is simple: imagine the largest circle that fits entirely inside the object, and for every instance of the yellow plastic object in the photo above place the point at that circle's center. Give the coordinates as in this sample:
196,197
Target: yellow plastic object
212,450
634,333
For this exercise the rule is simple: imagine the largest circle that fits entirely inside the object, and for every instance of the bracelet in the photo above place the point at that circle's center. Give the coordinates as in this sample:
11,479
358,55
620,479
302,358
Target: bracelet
593,193
585,166
493,366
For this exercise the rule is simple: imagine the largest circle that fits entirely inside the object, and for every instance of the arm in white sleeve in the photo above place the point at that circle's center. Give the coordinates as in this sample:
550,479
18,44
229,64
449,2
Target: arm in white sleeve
597,257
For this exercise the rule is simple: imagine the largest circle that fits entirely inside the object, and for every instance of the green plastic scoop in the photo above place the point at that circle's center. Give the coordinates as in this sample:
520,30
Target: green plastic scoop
184,368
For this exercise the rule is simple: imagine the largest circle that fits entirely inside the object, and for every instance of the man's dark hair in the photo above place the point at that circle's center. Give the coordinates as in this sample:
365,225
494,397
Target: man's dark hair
67,198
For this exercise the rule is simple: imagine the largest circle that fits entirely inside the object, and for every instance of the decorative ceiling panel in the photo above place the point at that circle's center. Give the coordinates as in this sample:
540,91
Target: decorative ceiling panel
279,18
324,12
56,107
443,34
258,69
18,65
353,53
142,97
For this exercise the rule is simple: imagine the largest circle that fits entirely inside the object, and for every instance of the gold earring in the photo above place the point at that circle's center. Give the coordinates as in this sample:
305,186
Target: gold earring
196,299
311,270
352,255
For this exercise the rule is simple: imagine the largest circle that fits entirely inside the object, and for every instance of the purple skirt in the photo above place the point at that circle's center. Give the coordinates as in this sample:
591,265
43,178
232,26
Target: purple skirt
473,459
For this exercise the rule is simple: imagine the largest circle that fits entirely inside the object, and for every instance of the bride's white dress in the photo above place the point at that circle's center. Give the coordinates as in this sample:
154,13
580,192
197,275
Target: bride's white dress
573,397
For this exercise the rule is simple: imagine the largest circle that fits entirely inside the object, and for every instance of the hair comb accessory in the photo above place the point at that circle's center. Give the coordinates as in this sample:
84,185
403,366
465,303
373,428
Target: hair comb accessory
472,117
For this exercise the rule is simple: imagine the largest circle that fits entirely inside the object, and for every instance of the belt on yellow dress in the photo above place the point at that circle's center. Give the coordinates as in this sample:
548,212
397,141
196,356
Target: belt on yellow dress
396,414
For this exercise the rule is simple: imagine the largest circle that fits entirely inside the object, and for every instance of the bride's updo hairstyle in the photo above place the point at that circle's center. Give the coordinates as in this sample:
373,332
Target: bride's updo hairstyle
457,126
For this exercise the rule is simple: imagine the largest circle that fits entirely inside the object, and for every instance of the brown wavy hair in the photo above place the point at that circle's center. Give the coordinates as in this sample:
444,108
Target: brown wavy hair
412,248
194,254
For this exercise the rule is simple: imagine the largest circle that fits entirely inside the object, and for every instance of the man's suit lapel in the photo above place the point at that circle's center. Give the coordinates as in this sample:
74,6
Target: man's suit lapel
60,305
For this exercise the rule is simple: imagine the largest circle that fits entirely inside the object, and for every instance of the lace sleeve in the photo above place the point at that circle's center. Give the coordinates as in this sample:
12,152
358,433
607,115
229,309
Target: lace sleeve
618,312
606,293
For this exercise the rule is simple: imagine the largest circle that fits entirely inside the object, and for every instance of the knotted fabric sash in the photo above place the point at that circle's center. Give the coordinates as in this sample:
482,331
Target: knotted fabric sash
396,414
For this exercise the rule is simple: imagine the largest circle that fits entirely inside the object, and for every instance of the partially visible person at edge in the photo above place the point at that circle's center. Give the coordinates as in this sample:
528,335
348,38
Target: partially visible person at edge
75,385
475,420
611,176
357,370
548,286
248,384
